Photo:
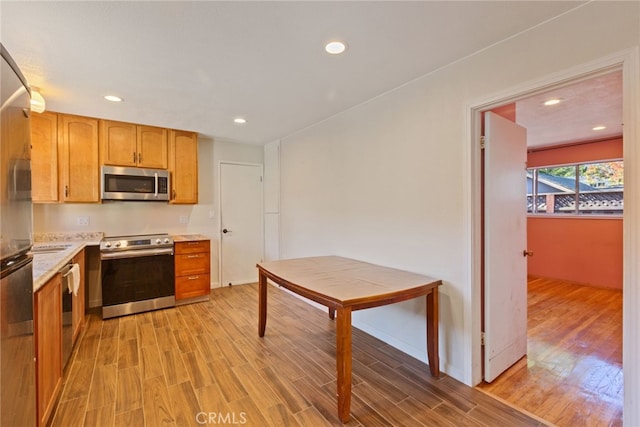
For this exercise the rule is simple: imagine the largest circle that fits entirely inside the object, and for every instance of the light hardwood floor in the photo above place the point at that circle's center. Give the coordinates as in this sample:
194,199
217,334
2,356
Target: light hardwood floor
203,364
572,374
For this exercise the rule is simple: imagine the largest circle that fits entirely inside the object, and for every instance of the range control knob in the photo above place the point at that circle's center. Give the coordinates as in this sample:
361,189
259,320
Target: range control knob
107,245
166,240
158,241
118,244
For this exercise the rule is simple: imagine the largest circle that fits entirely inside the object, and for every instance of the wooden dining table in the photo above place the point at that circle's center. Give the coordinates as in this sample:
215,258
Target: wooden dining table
344,285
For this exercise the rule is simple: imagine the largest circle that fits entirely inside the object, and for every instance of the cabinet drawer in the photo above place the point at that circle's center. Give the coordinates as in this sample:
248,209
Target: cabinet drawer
192,247
192,286
192,264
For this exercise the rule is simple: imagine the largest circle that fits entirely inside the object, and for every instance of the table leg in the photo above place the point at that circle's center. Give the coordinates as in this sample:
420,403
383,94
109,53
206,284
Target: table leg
262,303
332,313
343,362
432,332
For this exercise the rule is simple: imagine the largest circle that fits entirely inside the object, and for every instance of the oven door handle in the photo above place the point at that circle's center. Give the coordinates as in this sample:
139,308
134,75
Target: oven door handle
136,253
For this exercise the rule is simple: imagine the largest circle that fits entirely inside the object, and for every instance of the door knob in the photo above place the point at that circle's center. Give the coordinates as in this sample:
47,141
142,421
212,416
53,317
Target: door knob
225,231
527,253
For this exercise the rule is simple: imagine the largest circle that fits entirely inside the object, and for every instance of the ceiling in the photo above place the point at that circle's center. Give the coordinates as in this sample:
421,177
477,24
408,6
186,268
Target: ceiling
583,105
198,65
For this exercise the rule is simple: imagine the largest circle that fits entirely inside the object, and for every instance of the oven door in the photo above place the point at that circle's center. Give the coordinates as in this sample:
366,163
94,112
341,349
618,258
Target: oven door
136,281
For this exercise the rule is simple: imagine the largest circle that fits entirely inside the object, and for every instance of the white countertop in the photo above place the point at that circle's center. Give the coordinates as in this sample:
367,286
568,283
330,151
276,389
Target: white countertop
46,265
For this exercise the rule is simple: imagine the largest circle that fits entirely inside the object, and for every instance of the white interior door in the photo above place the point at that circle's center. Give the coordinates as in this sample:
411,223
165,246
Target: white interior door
505,227
241,231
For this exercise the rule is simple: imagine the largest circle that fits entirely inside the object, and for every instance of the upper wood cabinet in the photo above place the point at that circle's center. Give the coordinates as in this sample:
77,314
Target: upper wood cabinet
183,165
79,172
68,150
118,143
152,147
44,157
128,144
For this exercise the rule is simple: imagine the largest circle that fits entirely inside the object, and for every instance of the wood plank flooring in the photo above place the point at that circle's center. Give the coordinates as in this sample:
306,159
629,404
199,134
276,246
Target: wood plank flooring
203,364
572,374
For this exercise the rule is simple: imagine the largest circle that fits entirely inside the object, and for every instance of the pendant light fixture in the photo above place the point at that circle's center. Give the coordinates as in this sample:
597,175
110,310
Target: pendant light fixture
37,101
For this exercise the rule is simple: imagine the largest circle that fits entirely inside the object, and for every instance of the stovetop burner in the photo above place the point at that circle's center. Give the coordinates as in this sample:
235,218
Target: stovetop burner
140,241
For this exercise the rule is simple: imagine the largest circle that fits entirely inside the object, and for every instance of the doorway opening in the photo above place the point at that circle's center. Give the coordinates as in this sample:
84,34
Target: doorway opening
563,361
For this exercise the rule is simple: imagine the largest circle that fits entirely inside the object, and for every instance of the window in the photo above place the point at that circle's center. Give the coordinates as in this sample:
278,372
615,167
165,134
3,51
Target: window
579,189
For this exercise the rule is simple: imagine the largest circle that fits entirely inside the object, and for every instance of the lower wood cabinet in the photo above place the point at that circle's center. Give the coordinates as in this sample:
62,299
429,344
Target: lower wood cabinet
48,343
192,269
48,324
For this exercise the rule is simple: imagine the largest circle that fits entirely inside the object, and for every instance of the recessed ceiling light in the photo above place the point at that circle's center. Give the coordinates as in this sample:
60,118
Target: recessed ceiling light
113,98
599,128
554,101
240,120
335,47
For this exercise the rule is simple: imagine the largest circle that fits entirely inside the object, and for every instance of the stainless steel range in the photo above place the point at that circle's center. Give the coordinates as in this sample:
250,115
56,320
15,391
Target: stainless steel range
137,274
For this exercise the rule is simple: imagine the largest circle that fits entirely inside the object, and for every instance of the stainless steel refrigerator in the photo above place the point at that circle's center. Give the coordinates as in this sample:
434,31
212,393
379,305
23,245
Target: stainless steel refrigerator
17,363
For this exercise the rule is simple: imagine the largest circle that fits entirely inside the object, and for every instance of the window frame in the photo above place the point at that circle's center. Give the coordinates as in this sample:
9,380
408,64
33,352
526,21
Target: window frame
576,213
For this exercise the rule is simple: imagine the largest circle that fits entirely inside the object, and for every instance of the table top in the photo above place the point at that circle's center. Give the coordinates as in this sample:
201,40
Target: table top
340,282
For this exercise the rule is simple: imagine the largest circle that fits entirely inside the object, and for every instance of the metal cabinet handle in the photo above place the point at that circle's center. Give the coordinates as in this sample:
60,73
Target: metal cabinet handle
134,157
527,253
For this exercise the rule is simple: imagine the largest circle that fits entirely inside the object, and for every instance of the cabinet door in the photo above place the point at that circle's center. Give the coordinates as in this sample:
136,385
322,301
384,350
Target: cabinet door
79,170
152,147
118,143
190,264
78,300
44,157
183,165
48,331
192,247
192,286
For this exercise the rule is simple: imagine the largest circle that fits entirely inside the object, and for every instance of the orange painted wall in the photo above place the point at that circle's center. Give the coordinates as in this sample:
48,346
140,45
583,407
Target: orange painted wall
595,151
582,250
587,251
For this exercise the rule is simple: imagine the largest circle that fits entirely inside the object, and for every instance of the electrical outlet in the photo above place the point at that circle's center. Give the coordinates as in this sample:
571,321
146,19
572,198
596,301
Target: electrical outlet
82,220
184,219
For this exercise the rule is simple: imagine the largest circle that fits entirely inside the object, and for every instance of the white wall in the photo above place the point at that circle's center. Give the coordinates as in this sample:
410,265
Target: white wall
123,218
389,181
272,201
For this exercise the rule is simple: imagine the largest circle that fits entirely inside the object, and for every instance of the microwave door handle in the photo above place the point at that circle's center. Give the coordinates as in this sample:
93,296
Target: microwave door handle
156,186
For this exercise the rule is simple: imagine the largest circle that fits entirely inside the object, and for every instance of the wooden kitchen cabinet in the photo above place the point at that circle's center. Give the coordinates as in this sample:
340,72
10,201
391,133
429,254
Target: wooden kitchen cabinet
118,143
79,174
44,157
78,300
192,270
152,147
68,151
48,346
183,166
128,144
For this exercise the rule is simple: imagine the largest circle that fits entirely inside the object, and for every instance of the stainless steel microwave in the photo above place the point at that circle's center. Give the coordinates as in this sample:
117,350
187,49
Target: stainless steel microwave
120,183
